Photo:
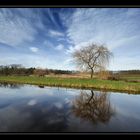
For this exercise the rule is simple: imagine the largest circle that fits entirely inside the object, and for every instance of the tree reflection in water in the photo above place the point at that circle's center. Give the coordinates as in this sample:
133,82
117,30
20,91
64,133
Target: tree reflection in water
10,85
93,107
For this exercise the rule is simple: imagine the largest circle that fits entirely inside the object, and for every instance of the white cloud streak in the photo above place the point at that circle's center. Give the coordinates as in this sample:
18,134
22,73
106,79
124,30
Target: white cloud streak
34,49
55,33
15,30
60,47
112,27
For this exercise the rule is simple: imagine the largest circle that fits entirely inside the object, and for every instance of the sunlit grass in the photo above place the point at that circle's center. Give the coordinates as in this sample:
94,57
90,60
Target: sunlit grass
74,83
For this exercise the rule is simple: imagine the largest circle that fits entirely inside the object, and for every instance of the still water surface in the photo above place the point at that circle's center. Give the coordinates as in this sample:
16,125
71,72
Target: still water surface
26,108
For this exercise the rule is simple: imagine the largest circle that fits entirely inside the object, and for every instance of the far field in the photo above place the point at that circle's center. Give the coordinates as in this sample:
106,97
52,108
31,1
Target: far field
77,82
122,77
130,77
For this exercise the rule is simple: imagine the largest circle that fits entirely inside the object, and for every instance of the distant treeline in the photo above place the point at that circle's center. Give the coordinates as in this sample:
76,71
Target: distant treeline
127,72
16,69
131,72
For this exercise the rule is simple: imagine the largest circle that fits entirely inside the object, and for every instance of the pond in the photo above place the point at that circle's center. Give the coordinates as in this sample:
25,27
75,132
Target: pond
28,108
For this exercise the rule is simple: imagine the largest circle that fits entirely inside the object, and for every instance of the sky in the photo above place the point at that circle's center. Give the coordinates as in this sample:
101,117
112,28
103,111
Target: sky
47,37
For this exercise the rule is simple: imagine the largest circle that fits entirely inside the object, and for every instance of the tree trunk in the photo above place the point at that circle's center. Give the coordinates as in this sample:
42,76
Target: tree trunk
91,73
92,95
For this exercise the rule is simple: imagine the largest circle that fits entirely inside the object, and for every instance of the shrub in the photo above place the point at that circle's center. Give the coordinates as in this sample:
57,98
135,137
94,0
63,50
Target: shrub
113,77
103,75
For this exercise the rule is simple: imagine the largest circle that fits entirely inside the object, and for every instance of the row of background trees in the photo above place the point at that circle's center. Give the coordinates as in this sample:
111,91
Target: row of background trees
17,69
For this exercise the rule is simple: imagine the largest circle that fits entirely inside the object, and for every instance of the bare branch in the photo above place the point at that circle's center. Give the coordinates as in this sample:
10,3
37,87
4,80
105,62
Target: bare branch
92,57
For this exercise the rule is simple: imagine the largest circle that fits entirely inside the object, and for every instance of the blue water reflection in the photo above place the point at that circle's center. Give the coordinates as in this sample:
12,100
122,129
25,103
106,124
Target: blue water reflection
26,108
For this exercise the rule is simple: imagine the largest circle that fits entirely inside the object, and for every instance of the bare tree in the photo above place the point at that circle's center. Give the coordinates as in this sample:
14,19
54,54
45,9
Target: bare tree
92,57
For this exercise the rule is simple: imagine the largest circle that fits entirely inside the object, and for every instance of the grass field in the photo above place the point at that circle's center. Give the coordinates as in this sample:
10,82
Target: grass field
130,77
85,83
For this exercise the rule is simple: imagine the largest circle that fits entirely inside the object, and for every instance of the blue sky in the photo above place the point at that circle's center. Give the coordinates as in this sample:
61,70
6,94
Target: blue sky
46,37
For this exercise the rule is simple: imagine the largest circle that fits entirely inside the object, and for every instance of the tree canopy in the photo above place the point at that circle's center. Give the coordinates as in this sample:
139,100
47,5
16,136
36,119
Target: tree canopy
92,57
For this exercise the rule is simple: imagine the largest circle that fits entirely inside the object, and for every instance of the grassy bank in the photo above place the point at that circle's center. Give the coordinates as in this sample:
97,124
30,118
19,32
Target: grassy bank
121,86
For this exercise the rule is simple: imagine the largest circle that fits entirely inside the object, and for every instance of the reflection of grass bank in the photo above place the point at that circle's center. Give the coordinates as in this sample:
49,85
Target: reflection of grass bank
75,83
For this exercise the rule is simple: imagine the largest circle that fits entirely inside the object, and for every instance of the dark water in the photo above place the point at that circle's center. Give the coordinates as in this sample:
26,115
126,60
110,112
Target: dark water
45,109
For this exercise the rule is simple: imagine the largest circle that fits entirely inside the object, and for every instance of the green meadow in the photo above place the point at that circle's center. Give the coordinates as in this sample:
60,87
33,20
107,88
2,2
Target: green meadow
84,83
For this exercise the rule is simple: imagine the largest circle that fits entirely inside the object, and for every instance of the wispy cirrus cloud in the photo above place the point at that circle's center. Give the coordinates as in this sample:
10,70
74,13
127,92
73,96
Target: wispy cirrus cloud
118,29
56,33
15,30
44,37
112,27
59,47
34,49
